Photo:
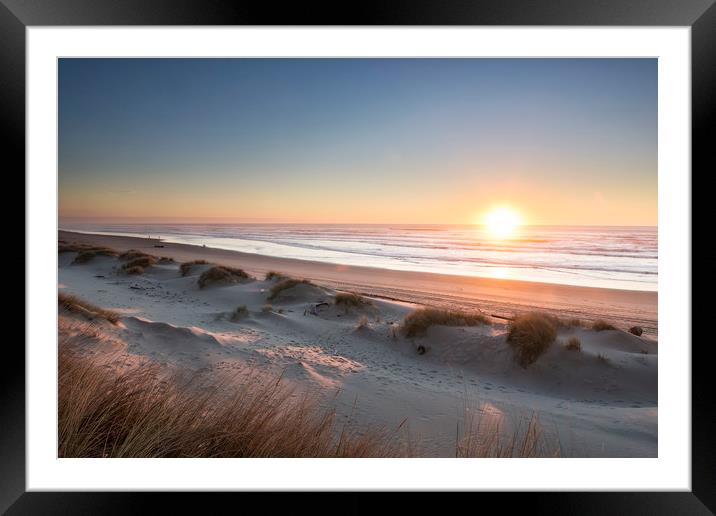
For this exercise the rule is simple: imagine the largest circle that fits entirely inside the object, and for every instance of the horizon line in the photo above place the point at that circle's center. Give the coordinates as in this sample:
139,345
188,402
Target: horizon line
210,220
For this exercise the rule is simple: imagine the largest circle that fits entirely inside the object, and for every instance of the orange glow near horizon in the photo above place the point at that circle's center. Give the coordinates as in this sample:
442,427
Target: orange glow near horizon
502,222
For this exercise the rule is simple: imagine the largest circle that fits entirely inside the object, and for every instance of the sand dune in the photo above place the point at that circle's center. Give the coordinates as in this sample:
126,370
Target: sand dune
599,401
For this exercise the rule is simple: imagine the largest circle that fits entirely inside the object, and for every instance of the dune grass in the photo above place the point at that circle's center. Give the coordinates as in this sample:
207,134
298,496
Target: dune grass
76,247
267,308
141,412
84,257
483,437
362,323
239,313
138,264
85,252
109,407
573,344
416,323
571,323
221,274
285,284
273,275
133,254
350,300
80,306
185,268
601,325
531,335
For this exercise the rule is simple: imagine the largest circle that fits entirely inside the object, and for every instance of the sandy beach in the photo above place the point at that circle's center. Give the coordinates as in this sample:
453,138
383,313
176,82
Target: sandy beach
502,298
600,401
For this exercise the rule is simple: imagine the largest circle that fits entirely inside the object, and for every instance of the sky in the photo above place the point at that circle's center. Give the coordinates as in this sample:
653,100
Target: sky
559,141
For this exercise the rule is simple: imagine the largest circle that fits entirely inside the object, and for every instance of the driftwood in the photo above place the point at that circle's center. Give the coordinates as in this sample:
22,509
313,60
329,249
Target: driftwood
313,309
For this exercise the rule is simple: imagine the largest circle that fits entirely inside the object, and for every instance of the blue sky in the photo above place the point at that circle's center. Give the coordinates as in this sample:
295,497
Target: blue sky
359,140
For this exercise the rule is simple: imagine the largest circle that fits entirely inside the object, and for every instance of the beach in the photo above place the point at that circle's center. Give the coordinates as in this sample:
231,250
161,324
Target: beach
497,297
598,401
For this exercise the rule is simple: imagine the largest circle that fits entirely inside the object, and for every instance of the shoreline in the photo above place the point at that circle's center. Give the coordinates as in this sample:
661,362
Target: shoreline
496,297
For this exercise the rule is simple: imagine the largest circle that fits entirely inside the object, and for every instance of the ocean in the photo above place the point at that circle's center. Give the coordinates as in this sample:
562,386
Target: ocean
595,256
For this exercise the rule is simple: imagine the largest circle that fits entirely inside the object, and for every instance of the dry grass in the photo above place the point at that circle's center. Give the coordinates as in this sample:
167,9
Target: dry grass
273,275
140,412
80,306
349,300
165,260
111,407
267,308
362,323
530,335
483,437
185,268
600,325
138,264
285,284
573,344
240,312
85,252
76,247
86,256
133,254
416,323
571,323
221,274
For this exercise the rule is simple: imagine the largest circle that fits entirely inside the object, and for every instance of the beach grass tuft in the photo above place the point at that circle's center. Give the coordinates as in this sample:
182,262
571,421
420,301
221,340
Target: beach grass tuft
573,344
85,308
185,268
133,254
601,325
416,323
362,323
273,275
483,436
571,323
88,253
531,335
285,284
239,313
351,300
221,274
138,264
92,250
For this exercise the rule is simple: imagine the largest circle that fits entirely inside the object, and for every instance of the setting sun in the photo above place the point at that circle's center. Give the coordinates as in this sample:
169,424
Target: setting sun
502,221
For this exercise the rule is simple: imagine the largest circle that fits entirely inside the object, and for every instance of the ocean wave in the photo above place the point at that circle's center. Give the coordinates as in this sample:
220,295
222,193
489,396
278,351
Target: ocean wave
596,255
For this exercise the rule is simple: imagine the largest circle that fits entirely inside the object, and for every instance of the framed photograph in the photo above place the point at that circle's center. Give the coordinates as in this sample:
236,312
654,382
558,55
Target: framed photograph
439,248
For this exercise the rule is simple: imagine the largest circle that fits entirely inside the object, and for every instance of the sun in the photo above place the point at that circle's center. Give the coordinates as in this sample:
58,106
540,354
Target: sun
502,222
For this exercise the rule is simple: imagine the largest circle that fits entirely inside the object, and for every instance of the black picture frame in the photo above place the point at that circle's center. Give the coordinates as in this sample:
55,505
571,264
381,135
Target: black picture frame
700,15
